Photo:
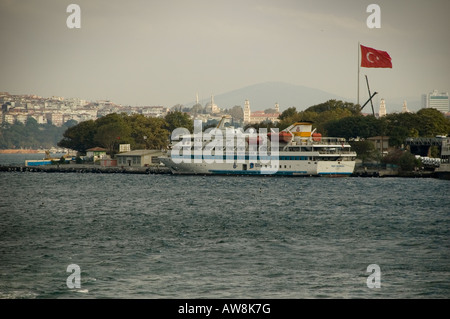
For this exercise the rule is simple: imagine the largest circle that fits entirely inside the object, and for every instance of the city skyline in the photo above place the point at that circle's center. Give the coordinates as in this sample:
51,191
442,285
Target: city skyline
152,53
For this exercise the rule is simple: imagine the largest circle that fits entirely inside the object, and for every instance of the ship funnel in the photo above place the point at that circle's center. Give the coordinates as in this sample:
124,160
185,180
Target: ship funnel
302,129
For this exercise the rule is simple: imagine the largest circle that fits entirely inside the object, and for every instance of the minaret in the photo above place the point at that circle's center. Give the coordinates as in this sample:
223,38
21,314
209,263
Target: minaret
277,107
382,111
213,109
247,112
196,98
405,108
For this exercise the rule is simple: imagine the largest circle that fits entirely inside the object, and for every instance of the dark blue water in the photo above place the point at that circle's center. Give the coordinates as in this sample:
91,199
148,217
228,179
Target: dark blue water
164,236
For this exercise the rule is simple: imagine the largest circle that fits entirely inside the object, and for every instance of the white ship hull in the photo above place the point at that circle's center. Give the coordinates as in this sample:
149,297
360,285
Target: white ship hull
283,168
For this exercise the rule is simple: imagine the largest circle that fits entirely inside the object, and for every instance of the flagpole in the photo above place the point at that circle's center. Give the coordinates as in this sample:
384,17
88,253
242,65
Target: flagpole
358,72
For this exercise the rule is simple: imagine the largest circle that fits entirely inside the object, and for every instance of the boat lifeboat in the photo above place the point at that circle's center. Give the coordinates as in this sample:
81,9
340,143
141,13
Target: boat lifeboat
317,137
283,136
254,140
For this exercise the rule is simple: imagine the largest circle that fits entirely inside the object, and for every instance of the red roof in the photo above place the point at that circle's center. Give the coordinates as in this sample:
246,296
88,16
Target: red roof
97,149
262,114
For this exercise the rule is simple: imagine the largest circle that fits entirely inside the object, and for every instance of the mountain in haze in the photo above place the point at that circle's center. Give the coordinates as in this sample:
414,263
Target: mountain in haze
264,95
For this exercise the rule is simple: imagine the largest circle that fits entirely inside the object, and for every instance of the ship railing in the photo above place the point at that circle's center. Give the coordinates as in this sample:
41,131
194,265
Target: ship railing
328,141
337,152
319,141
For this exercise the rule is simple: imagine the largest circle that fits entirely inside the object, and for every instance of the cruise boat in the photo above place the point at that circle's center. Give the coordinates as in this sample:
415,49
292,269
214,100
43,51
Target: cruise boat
295,151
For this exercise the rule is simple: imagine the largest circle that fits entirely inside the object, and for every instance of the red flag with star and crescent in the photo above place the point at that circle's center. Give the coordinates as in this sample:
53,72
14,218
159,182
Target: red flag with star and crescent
372,58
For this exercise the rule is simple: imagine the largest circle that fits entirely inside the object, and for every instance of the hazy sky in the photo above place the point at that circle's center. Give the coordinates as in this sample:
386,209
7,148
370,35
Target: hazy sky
146,52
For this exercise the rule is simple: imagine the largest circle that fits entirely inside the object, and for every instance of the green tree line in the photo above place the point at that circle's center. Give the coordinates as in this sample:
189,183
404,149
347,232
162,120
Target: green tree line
343,119
139,131
31,135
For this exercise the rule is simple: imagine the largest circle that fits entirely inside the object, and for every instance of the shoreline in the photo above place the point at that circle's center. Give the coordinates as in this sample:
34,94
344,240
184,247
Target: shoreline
83,168
80,168
21,151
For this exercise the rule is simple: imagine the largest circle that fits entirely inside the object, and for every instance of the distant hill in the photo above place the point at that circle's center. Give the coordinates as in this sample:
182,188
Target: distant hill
264,95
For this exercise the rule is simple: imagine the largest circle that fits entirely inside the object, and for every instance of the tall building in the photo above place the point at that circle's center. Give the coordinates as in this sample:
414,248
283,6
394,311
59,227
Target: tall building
382,111
436,100
211,107
405,108
259,116
247,112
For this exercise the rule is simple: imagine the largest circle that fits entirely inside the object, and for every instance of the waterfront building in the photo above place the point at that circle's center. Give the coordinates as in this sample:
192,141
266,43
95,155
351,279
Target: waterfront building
95,153
381,144
139,158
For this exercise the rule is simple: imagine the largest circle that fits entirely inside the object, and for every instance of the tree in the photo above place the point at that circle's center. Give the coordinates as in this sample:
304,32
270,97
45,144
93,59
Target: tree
237,113
80,137
288,117
288,113
177,107
112,130
398,135
148,132
354,126
331,105
365,150
197,109
432,123
178,119
404,159
70,123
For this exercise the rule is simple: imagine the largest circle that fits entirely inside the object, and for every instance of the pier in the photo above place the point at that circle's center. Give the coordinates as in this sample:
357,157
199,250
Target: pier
80,168
97,169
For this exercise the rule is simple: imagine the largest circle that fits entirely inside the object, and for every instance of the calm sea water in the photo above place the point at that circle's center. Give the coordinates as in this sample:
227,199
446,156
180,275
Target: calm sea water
164,236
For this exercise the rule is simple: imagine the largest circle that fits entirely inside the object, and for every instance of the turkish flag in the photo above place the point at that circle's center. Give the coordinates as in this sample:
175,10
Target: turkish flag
372,58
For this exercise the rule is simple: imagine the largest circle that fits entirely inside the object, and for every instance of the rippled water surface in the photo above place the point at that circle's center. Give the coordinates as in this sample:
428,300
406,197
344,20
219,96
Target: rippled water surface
164,236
